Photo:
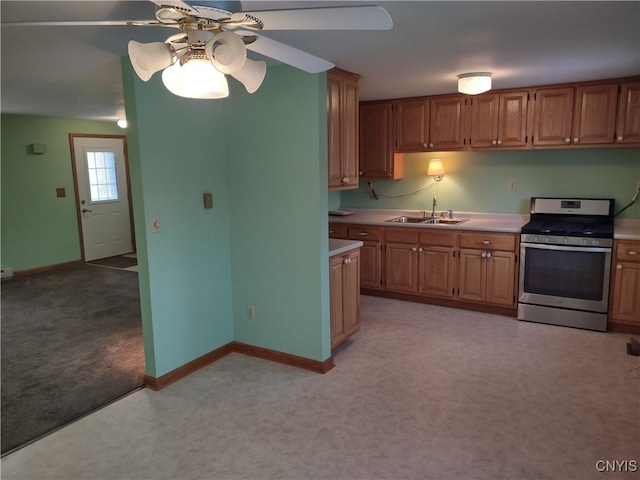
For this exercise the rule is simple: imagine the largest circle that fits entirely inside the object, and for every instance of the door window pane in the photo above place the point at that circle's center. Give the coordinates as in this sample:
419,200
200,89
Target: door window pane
103,181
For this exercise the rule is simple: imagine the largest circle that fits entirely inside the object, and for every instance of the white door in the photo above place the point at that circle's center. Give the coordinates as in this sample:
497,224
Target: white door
103,194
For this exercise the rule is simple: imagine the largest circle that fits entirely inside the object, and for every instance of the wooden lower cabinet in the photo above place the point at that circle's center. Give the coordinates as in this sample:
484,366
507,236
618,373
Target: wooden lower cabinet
487,276
625,289
487,268
370,254
419,262
344,287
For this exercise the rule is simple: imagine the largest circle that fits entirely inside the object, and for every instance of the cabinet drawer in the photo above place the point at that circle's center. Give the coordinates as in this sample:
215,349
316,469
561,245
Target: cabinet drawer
401,235
628,251
338,230
490,241
364,232
440,239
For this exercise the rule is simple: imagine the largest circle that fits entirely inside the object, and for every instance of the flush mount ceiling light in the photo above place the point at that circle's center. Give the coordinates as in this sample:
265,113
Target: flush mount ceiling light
225,36
474,83
436,169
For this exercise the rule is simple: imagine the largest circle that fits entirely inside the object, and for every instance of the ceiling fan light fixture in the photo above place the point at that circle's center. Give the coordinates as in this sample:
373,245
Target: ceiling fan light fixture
474,83
196,78
227,52
149,58
251,75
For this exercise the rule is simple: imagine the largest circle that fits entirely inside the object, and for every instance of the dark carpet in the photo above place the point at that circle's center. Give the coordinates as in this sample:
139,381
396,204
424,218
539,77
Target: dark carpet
119,261
71,343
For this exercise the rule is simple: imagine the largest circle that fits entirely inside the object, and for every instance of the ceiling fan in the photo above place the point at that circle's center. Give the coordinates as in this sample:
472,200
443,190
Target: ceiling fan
213,42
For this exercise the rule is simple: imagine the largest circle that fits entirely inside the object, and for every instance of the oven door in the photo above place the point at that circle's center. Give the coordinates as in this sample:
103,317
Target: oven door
574,278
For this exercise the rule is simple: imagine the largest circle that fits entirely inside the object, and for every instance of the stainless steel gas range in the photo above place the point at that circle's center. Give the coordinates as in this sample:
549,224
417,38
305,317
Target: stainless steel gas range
565,253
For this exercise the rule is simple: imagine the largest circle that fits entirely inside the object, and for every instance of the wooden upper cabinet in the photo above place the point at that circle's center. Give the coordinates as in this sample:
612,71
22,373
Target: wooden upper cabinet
499,120
412,125
595,114
584,115
342,129
446,123
628,126
377,138
553,116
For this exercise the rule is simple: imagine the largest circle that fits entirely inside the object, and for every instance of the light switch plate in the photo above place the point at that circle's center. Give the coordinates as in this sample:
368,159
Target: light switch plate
208,200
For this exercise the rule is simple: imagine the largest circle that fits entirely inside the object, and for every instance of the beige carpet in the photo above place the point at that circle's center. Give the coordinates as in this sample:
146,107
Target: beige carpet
420,392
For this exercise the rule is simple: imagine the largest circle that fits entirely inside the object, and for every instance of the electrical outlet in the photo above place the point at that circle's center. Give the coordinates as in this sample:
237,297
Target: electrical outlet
155,224
513,185
251,312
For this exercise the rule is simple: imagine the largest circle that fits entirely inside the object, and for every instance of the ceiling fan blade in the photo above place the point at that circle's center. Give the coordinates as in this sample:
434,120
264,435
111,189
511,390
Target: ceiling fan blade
177,4
329,18
287,54
105,23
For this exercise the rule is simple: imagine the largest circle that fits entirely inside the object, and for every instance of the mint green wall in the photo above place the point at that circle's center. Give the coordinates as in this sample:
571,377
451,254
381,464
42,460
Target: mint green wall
478,181
277,164
38,228
177,153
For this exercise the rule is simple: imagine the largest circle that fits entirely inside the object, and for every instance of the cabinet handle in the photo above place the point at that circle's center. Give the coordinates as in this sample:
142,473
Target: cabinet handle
330,232
345,180
620,138
486,242
431,145
424,145
499,142
347,260
414,249
488,255
494,143
576,139
618,267
421,249
567,140
360,172
484,255
632,253
363,234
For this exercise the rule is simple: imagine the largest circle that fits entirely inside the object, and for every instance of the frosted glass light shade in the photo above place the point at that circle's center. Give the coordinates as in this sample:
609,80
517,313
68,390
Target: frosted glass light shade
149,58
474,83
436,169
251,75
197,78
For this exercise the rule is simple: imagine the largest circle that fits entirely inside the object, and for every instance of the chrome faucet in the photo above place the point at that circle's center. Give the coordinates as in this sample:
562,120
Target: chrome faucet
433,208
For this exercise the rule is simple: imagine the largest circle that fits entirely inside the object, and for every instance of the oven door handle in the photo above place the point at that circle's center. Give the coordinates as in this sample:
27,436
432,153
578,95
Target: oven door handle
571,248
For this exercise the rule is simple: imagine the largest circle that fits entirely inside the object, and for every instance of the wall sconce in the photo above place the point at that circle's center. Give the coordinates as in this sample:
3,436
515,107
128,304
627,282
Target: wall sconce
436,169
474,83
122,122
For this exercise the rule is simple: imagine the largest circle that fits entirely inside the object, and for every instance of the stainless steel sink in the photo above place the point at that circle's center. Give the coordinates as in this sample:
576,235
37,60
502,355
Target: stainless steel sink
407,220
433,221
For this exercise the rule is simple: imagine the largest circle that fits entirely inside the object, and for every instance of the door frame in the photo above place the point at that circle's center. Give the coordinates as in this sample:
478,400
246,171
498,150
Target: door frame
76,189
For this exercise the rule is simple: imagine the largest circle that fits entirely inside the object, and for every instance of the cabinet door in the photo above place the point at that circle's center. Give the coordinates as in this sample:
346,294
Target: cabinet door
351,293
553,116
376,140
628,129
350,140
370,258
501,271
336,288
435,265
512,125
484,120
472,278
401,272
595,114
412,125
446,123
334,126
626,293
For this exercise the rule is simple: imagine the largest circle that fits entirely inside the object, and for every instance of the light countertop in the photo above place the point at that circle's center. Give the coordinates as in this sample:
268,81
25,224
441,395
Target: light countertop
627,229
338,247
495,222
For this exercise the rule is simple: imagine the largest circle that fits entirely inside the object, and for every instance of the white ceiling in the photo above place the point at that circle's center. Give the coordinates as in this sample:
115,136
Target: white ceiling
75,71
